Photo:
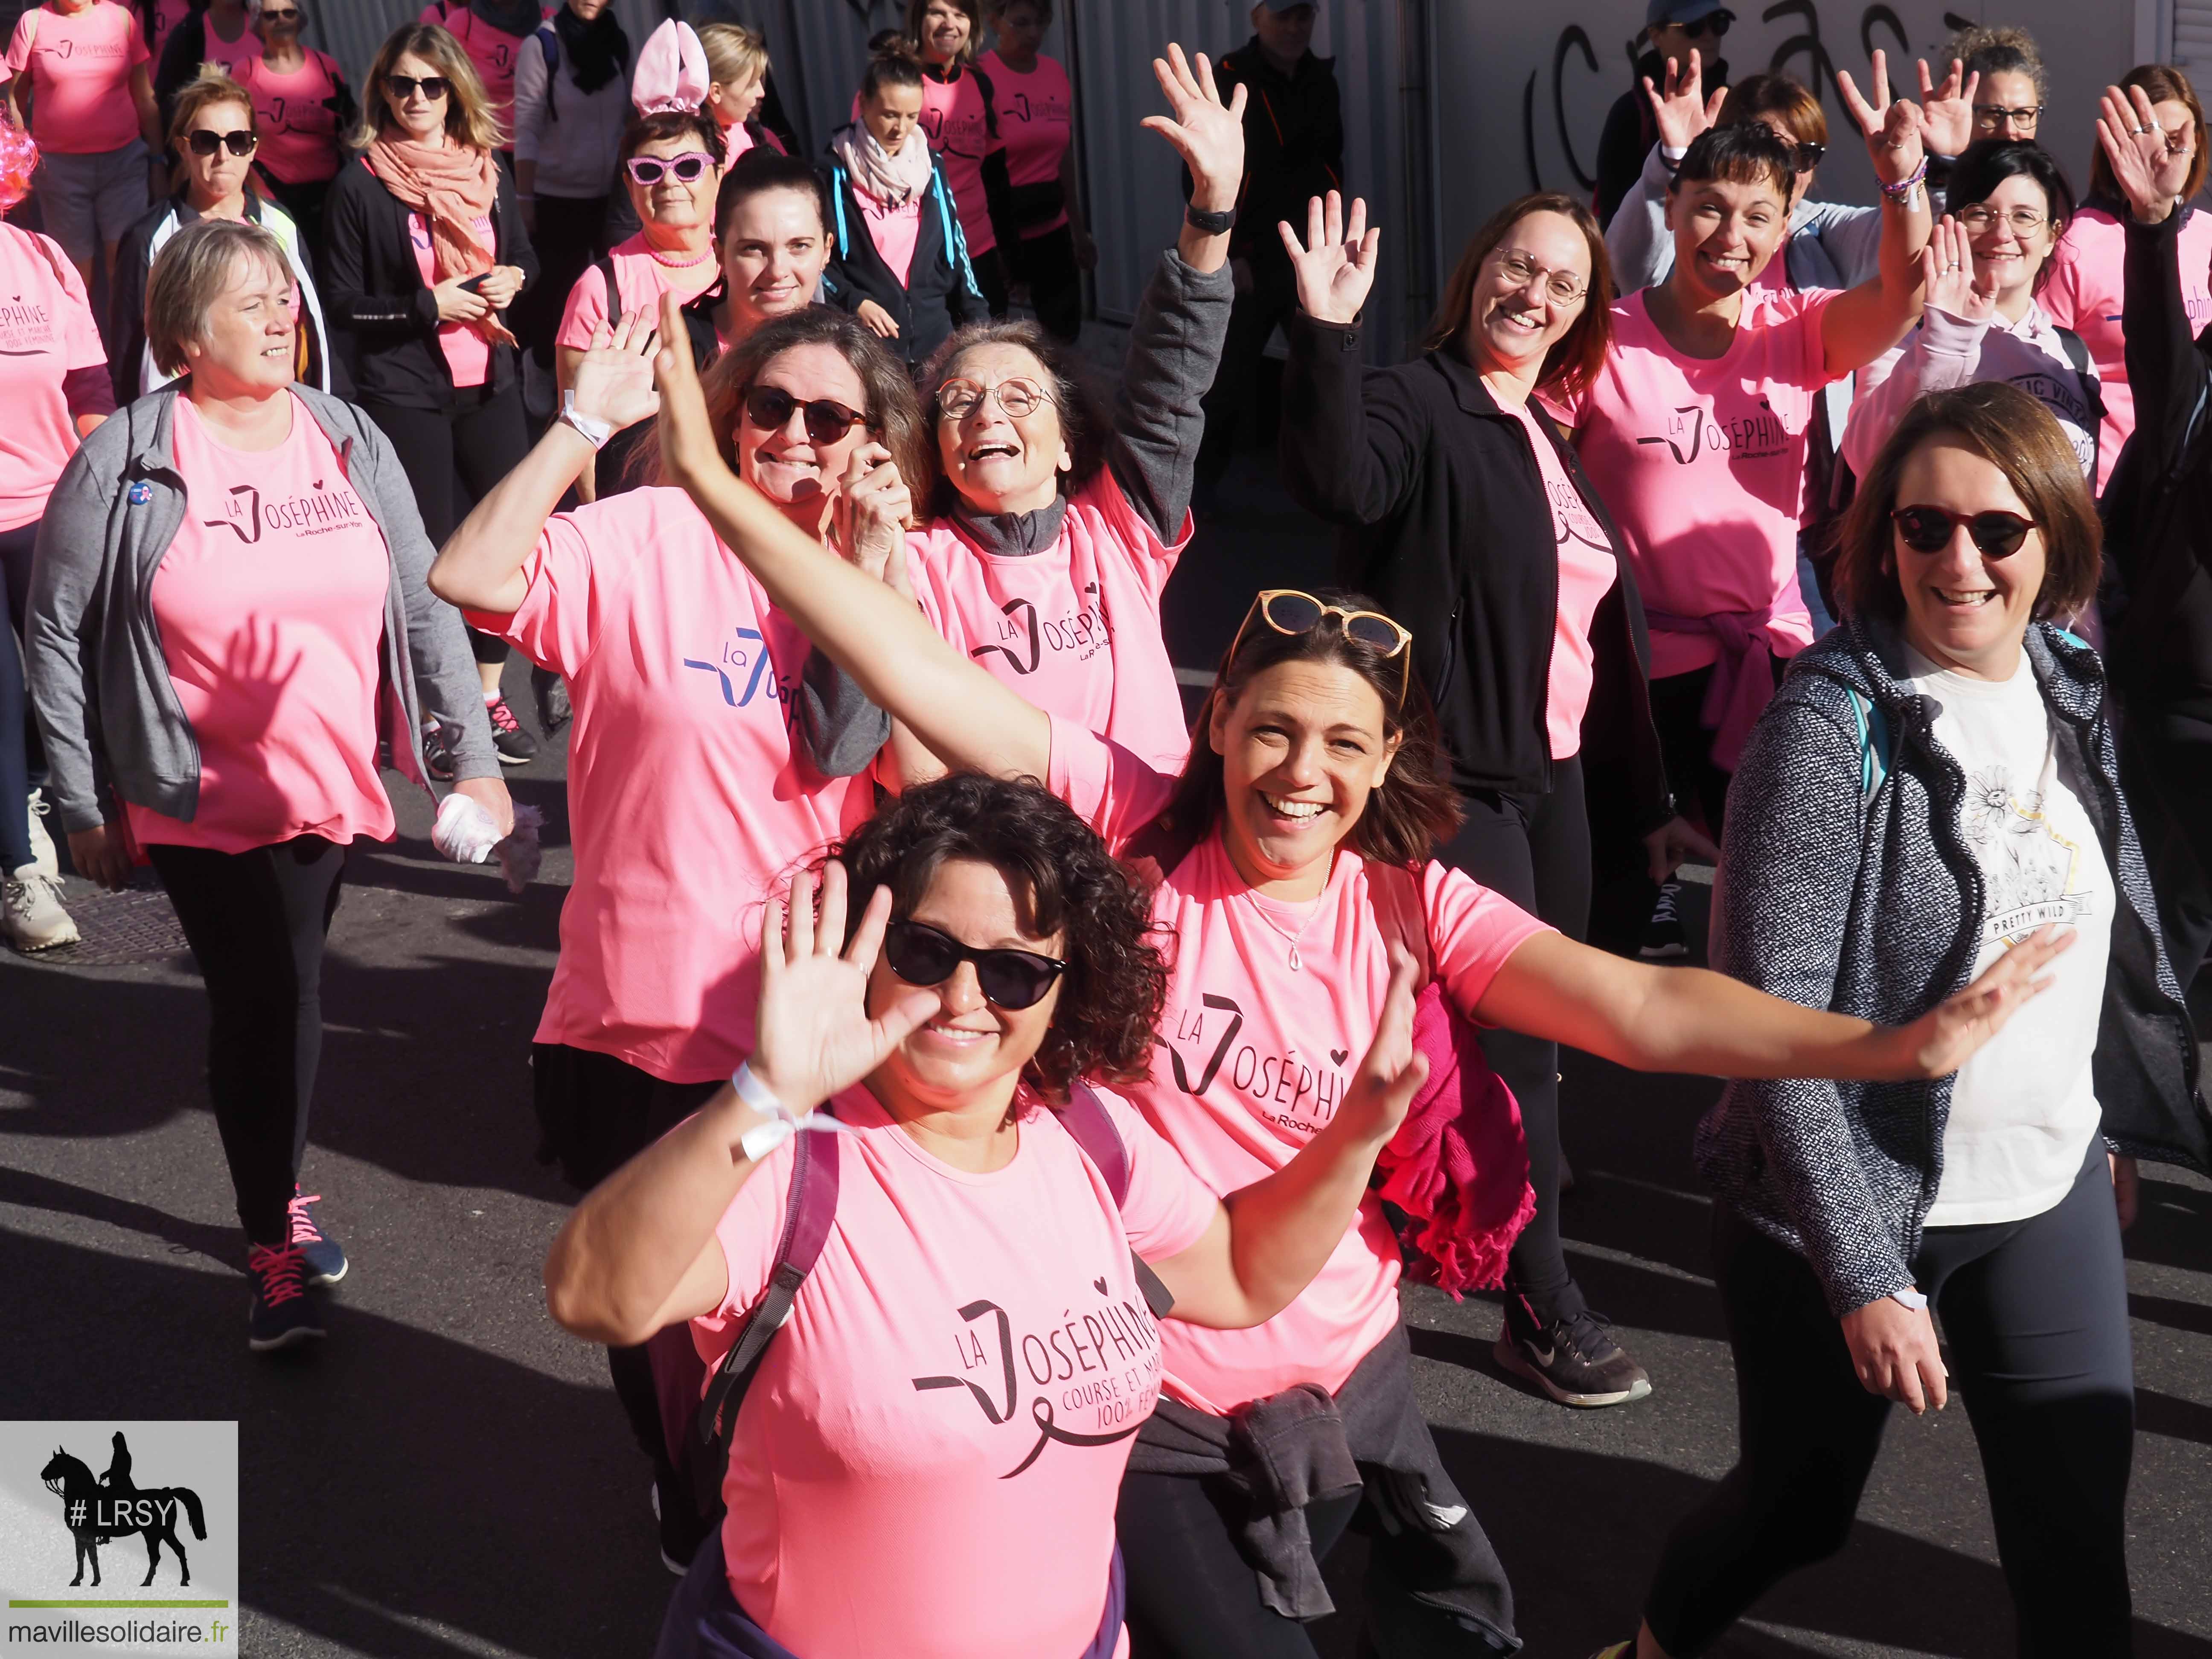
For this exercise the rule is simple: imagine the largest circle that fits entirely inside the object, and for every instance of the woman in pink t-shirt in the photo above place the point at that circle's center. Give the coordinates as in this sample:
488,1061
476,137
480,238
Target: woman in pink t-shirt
2085,290
230,619
79,82
772,236
959,113
303,105
1051,248
1292,854
690,793
1001,955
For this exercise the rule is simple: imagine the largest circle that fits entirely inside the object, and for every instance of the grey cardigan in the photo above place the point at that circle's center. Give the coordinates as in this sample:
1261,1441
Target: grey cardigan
110,715
1846,883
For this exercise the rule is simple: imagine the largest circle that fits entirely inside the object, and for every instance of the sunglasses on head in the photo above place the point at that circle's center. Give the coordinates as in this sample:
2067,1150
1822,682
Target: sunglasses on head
204,143
432,87
1930,530
1289,612
769,408
921,955
689,167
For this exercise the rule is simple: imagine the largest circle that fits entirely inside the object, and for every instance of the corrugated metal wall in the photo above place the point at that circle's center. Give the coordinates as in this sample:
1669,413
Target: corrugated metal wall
352,30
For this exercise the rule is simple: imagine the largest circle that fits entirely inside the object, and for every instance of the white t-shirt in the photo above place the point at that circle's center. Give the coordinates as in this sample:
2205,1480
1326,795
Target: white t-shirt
2024,1110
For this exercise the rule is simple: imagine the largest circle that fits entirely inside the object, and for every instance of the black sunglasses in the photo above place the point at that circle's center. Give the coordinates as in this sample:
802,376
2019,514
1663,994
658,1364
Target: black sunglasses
1929,528
204,143
769,408
276,14
432,87
919,954
1714,24
1805,157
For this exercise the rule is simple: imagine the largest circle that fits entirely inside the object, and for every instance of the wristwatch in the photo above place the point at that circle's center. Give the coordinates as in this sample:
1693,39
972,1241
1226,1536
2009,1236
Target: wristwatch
592,429
1213,224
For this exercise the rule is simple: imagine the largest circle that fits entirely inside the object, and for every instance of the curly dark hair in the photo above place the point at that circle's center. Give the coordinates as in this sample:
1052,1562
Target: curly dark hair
1063,881
1085,424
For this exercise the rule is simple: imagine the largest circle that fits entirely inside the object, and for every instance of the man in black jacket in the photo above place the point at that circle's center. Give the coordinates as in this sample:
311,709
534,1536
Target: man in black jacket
1293,152
1671,29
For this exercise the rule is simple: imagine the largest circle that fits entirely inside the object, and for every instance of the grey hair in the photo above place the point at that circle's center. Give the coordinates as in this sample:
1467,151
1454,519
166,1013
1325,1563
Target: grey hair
190,273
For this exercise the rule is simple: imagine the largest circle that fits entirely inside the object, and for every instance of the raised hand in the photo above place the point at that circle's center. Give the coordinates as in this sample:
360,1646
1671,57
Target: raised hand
1335,263
614,379
1391,1075
1207,133
1945,1037
873,509
1679,108
1949,278
813,1036
2151,176
1946,113
1891,127
688,449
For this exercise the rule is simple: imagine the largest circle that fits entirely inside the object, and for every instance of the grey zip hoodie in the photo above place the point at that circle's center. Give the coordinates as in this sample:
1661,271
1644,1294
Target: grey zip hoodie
113,724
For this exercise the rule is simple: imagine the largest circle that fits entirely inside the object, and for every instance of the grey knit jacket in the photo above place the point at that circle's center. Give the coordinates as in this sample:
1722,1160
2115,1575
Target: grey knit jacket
1871,904
100,684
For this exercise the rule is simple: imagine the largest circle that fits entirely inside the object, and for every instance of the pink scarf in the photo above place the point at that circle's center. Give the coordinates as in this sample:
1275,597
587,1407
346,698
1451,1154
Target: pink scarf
894,181
452,187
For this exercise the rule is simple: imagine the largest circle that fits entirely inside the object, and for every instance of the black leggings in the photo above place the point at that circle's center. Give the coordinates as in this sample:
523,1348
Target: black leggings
14,705
256,922
1047,264
1536,850
1678,705
2035,1318
454,458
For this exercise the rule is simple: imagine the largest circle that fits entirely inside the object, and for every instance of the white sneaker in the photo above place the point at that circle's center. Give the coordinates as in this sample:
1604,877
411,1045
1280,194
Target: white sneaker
42,844
31,911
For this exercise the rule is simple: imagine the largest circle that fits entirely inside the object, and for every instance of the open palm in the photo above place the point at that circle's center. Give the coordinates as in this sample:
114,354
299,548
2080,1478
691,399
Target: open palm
1336,264
1948,1035
1947,272
1207,133
2149,175
613,381
1679,108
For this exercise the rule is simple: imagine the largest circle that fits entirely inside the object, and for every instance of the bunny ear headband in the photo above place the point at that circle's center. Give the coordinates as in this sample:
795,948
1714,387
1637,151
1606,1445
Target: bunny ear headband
671,71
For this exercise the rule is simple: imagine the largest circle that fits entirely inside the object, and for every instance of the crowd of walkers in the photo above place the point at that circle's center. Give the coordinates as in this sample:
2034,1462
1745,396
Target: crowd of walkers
1005,1110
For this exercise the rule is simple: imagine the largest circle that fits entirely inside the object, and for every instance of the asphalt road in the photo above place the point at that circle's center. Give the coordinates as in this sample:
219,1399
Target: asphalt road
449,1475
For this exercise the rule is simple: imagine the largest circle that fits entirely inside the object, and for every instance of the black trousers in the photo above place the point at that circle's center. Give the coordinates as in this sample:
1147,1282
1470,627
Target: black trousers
1678,704
2035,1318
1536,850
304,202
569,235
256,922
991,276
454,458
2166,772
1047,264
14,703
1254,318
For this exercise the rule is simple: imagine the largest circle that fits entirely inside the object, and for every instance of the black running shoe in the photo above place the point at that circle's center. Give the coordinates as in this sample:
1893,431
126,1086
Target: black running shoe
1663,934
516,746
437,750
284,1310
550,693
1575,1360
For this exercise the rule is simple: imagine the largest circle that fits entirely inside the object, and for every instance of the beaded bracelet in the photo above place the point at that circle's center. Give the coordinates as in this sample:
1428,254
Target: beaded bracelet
1906,191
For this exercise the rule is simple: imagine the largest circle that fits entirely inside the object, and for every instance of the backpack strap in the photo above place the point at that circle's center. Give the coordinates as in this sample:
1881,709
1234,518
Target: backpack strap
1085,1118
548,47
990,98
604,264
2092,389
1874,745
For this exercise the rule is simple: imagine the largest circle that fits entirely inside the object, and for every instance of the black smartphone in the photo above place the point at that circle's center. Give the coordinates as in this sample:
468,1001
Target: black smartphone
475,284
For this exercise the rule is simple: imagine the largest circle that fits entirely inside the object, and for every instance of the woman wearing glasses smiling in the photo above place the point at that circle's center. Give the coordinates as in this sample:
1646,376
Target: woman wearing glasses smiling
1292,854
217,136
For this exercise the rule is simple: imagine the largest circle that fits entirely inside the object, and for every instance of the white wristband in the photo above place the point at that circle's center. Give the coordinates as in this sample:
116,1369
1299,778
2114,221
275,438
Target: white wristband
777,1125
1913,1299
593,431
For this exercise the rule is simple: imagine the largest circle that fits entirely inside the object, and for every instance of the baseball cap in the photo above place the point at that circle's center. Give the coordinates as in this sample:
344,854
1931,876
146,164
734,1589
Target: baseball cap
1680,11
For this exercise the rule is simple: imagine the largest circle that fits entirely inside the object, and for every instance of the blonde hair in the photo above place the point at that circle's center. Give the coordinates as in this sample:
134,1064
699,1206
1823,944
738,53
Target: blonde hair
210,88
735,54
193,270
469,118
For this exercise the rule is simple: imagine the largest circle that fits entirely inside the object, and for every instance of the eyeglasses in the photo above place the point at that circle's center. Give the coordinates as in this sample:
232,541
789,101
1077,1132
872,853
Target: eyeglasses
921,955
689,167
272,14
1803,158
769,408
2026,221
434,87
1016,397
1558,287
1289,612
204,143
1930,530
1996,115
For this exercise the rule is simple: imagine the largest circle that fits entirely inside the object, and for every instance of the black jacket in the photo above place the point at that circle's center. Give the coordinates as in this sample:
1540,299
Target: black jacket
940,293
374,289
2158,506
1447,525
1293,143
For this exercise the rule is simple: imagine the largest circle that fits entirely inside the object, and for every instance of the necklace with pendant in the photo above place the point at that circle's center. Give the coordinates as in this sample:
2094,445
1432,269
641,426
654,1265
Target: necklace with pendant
1260,910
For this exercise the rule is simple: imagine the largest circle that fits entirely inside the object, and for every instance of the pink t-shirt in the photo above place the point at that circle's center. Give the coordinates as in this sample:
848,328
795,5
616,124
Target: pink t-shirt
299,128
927,1460
166,14
1254,1055
2084,291
46,329
271,607
687,801
1587,570
643,279
894,230
468,353
80,67
492,52
230,53
1036,122
1075,629
953,115
1702,464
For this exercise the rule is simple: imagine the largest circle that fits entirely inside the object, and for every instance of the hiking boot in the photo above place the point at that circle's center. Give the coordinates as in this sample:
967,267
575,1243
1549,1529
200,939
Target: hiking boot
327,1257
550,693
42,844
1575,1360
516,746
284,1310
31,910
1663,938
